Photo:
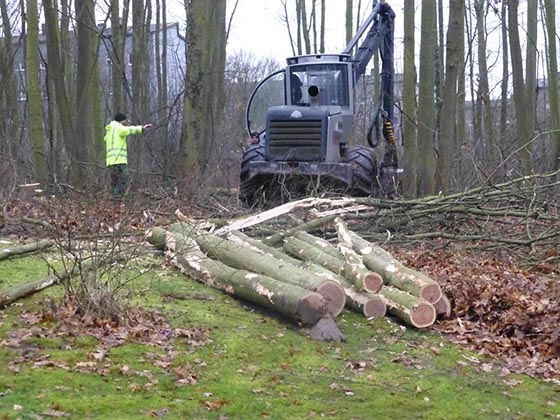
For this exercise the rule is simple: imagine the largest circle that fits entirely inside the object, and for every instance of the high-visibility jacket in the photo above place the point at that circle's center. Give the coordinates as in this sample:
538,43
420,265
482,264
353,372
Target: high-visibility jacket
115,142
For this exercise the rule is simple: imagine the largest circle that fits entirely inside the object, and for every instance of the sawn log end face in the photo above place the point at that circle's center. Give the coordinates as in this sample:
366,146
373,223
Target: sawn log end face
423,315
334,296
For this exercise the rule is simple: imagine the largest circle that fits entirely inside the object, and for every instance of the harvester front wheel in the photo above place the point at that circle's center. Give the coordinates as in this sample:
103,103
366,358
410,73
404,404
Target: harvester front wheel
248,187
364,170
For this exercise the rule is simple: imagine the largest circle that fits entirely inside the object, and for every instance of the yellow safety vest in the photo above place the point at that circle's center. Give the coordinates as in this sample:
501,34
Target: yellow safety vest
115,142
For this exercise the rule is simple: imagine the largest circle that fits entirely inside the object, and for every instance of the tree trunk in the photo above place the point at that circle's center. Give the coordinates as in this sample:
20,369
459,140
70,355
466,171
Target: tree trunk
449,98
426,100
411,309
34,98
17,292
550,9
483,97
83,148
290,300
343,261
204,84
366,303
393,272
519,90
25,249
409,104
241,257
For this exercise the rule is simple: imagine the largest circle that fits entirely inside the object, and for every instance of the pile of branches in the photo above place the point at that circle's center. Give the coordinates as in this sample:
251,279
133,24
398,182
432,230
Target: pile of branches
520,216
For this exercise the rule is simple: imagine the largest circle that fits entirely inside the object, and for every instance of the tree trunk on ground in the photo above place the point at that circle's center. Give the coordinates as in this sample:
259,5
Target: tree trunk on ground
411,309
241,257
293,301
443,307
367,303
25,249
393,272
17,292
347,263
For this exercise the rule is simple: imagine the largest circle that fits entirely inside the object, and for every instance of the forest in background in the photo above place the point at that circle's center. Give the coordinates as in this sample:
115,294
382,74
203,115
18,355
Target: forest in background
52,134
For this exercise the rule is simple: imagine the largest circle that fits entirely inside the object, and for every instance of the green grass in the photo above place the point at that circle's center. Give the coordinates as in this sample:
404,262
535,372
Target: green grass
255,365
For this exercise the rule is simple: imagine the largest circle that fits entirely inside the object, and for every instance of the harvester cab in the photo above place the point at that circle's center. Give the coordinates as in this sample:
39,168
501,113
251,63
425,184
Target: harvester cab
304,115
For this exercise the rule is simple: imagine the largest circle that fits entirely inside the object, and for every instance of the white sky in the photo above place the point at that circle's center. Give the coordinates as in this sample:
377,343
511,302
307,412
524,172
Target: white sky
257,26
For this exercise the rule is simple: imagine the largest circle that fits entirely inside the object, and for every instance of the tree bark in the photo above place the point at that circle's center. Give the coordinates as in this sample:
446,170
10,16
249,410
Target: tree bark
290,300
25,249
409,104
366,303
34,99
394,273
519,90
17,292
241,257
344,261
550,13
426,100
411,309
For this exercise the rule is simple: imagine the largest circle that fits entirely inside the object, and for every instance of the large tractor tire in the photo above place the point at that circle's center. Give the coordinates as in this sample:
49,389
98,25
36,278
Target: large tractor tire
248,188
364,170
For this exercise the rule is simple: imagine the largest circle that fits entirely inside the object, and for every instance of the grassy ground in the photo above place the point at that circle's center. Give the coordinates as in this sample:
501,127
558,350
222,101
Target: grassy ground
220,358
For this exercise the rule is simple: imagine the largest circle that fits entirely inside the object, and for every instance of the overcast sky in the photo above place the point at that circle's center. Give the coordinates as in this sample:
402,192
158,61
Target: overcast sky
257,26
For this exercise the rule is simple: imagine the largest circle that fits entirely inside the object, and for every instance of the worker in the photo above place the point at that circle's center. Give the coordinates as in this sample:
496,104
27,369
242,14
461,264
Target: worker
116,155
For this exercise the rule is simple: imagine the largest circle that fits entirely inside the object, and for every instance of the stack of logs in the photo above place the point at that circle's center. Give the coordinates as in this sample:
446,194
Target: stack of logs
308,278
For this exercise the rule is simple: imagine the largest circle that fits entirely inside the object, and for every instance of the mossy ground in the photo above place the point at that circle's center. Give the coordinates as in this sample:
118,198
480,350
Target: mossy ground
254,365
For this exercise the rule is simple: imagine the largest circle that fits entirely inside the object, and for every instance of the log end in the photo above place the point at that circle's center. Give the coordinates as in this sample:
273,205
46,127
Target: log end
443,307
431,292
375,307
334,296
423,315
311,308
372,282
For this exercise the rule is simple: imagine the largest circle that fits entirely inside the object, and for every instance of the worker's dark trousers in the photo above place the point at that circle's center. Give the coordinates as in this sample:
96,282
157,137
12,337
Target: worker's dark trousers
119,179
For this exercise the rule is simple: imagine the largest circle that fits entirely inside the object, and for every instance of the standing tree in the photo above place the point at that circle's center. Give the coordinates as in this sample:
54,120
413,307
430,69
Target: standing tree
9,108
484,103
426,100
409,102
34,98
204,97
449,97
86,82
519,90
550,10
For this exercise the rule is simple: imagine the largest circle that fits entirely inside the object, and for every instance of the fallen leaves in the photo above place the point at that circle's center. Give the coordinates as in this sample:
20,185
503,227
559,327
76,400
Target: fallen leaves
506,312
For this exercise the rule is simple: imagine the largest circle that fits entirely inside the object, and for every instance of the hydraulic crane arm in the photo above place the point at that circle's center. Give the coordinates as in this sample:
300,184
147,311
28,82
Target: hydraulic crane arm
380,23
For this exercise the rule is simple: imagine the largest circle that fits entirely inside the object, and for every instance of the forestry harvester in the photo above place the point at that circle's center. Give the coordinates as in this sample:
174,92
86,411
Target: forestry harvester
303,116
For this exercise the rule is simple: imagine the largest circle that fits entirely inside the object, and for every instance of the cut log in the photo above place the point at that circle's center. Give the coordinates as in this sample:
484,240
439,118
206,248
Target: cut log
356,270
25,248
368,304
290,300
17,292
411,309
241,257
394,273
443,307
314,224
357,273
